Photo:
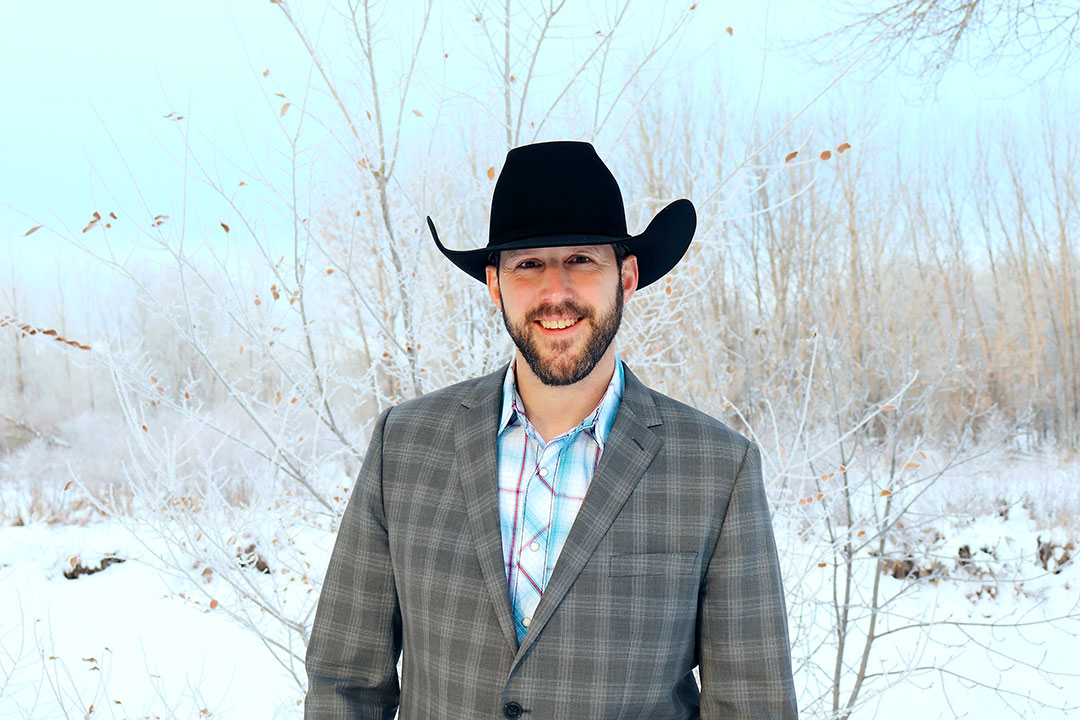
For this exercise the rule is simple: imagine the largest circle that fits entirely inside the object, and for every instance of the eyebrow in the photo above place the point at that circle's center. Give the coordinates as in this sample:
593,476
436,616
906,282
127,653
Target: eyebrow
518,255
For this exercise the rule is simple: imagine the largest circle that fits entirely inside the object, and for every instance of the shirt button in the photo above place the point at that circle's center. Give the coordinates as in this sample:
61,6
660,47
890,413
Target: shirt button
512,710
535,546
526,622
543,472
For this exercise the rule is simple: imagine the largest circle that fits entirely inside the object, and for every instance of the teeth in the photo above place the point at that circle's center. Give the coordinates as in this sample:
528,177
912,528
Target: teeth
557,325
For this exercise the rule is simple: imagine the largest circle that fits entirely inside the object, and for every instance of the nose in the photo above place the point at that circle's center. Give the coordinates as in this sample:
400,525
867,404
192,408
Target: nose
555,284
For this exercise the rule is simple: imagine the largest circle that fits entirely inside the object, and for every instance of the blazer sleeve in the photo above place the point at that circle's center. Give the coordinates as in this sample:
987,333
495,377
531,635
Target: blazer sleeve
356,637
743,650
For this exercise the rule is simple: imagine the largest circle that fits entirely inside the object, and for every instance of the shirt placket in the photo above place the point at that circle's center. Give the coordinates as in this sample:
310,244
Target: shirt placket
547,499
546,473
534,551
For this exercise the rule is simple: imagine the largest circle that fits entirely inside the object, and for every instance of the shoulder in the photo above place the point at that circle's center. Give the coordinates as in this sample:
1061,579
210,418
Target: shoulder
683,423
442,405
461,393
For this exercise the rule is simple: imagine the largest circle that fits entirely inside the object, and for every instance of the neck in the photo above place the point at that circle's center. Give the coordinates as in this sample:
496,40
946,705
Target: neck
553,410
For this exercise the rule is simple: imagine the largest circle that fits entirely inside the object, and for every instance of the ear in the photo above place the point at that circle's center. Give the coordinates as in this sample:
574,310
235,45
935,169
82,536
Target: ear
629,276
493,285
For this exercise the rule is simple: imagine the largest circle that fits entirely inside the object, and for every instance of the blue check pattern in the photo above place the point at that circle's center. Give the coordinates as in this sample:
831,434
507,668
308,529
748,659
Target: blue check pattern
541,487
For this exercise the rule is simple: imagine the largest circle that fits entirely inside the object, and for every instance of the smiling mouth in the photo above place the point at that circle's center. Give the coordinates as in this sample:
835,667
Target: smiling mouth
558,325
554,327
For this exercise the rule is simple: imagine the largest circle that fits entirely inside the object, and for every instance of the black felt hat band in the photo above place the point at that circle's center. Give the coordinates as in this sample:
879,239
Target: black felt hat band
558,194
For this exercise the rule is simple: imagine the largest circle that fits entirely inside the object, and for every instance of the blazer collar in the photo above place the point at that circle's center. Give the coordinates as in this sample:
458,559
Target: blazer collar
599,420
629,450
488,393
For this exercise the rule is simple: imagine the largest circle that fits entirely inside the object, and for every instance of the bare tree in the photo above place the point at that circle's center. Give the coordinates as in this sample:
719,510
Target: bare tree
830,306
248,387
926,37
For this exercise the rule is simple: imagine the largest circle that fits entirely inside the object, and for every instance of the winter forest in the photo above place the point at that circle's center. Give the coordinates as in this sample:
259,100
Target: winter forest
884,295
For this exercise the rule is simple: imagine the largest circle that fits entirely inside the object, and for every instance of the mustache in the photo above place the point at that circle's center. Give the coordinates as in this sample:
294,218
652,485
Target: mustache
544,311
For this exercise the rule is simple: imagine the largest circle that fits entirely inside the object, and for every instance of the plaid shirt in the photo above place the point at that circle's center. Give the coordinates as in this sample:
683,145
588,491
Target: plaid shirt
541,487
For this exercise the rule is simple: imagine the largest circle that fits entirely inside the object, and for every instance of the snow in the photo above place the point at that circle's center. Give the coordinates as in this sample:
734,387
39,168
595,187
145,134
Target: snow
140,638
122,640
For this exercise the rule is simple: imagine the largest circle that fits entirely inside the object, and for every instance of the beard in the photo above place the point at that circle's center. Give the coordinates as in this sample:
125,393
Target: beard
554,364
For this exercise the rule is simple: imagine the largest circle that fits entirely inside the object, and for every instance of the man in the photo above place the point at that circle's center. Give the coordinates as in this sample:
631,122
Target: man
555,539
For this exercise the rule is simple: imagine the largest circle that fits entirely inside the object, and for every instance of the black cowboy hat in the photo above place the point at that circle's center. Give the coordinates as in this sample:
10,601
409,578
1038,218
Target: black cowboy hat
556,194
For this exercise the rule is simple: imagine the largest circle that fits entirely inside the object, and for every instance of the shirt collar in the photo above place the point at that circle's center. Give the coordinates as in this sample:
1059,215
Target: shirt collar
599,420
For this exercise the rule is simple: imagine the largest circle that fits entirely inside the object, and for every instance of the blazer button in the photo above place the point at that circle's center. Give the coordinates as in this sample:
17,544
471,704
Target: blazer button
512,710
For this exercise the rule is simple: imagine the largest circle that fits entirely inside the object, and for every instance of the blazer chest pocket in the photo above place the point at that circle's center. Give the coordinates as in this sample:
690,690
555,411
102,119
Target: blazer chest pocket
680,563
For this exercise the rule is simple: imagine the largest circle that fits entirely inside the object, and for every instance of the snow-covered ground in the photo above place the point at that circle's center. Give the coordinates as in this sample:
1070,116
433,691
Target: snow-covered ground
140,639
125,640
993,635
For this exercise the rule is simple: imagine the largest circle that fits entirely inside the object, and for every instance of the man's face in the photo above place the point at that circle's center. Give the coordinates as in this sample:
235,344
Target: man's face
579,283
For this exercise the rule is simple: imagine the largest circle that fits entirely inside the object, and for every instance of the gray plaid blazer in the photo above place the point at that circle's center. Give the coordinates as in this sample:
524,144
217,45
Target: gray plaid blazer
670,564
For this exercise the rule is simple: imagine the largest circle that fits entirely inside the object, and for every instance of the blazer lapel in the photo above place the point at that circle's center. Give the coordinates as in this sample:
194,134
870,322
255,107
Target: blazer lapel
476,443
629,450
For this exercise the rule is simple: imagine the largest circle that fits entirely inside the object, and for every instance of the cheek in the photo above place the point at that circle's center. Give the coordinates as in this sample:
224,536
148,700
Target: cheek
604,301
513,308
516,299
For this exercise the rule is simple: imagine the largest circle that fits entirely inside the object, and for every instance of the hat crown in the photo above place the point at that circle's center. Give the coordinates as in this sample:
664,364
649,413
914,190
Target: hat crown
555,188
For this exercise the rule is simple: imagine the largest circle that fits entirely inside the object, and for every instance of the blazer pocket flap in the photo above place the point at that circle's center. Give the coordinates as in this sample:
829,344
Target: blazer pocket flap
680,563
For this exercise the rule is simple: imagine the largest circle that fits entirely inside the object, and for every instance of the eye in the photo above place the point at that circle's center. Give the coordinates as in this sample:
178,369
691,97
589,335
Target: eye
524,263
582,257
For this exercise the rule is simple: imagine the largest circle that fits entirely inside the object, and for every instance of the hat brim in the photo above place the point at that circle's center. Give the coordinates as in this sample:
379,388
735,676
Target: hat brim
658,248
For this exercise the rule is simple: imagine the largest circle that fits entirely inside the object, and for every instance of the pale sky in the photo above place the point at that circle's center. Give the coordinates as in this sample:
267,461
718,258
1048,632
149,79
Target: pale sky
79,77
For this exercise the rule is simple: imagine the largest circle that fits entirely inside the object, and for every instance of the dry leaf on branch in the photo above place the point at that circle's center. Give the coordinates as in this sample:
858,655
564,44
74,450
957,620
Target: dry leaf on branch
791,156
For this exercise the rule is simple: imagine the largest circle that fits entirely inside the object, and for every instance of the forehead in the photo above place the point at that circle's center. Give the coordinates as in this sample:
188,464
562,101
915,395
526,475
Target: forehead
549,253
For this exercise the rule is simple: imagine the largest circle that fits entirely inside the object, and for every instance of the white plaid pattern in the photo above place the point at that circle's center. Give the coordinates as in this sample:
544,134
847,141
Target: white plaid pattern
541,487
